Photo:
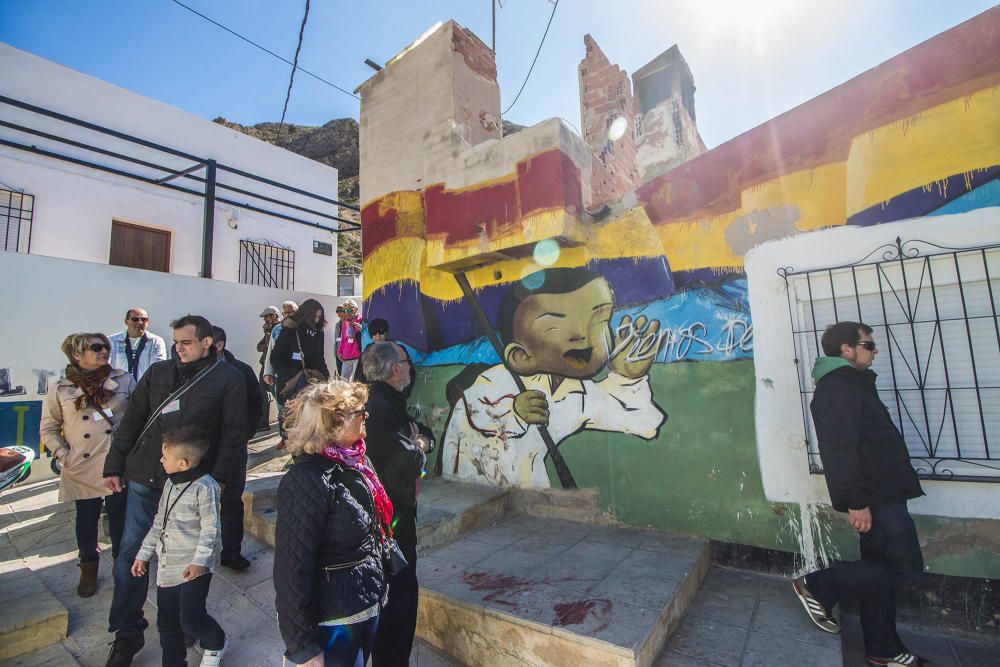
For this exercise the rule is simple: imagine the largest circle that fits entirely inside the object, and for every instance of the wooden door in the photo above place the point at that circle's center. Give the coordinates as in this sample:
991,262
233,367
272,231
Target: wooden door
139,247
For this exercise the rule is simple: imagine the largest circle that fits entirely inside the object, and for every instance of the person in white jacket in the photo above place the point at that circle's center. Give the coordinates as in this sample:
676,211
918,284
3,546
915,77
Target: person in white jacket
555,326
187,538
136,349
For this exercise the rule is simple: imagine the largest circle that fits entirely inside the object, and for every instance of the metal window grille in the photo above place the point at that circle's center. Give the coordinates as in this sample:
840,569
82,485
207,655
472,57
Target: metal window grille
934,314
16,210
267,265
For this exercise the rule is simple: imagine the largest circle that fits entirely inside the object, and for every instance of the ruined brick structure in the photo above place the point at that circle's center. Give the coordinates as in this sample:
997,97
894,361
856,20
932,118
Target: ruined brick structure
655,130
605,96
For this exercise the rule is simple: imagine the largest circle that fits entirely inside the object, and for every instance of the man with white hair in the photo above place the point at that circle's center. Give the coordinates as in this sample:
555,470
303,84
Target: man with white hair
397,446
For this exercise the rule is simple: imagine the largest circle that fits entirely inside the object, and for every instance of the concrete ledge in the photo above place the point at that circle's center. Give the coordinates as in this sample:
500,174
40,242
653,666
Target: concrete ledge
31,618
540,591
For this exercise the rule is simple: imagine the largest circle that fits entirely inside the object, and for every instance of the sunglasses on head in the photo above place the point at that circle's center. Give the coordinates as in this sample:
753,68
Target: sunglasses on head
139,319
97,347
868,345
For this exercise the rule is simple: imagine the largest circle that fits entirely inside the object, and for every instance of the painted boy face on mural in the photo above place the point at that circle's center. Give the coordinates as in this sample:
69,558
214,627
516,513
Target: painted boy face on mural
567,334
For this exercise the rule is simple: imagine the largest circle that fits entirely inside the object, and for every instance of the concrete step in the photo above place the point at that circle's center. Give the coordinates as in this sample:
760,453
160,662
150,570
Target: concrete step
31,618
511,576
446,509
529,590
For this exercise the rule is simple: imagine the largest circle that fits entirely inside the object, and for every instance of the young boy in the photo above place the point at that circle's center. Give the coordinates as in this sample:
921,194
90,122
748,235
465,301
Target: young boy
186,538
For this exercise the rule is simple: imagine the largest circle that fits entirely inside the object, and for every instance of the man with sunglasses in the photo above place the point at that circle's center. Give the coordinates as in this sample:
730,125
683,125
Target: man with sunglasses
136,349
869,477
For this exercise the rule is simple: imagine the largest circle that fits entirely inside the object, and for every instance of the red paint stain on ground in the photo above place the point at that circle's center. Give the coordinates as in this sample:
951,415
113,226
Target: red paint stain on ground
576,613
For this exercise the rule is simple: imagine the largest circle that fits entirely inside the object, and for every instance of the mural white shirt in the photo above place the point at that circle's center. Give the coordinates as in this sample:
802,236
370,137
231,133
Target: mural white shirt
486,441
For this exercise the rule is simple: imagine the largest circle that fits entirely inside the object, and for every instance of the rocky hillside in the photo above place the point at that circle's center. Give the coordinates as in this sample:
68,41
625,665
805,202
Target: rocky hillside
334,144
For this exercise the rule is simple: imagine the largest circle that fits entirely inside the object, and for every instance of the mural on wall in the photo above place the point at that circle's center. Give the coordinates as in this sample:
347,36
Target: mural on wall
21,393
555,326
612,321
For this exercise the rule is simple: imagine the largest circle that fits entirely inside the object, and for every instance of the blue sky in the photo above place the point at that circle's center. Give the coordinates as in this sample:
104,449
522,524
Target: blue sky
751,60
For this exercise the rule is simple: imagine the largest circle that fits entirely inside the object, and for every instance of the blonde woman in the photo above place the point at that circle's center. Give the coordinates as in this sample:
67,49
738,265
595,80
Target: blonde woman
79,415
332,537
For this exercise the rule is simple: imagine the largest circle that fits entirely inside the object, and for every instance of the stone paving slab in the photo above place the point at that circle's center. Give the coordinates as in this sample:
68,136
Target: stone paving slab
552,591
941,649
744,619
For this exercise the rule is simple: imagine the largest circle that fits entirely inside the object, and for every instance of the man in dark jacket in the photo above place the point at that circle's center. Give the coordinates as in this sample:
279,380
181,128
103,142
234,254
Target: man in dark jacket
869,476
204,393
231,504
397,447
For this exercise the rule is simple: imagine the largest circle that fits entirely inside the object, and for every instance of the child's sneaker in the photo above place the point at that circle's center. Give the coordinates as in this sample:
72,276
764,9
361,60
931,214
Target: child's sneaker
211,658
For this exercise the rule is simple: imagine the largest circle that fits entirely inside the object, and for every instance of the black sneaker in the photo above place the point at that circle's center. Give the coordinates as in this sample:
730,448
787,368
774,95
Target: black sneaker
818,614
123,650
905,659
237,562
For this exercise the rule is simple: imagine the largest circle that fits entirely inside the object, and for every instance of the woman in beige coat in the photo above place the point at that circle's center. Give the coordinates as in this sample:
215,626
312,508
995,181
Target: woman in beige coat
79,415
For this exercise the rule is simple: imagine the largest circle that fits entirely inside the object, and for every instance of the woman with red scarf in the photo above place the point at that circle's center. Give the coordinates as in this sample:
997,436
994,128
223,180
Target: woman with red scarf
79,415
333,533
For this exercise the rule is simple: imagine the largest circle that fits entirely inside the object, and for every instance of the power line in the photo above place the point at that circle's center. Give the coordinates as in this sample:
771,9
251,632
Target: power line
265,50
295,65
544,35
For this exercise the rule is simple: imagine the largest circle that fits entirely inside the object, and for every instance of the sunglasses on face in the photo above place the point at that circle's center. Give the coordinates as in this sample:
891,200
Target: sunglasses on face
868,345
363,413
97,347
139,319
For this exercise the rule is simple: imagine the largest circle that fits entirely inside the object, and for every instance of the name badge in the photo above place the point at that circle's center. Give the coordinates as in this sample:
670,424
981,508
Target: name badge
296,356
172,406
99,417
350,341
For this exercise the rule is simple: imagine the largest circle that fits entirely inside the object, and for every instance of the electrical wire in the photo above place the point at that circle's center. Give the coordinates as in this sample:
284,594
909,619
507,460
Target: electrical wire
295,65
544,35
265,49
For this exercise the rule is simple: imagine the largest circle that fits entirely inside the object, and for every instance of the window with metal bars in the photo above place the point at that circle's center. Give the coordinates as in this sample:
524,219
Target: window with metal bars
934,314
267,264
16,211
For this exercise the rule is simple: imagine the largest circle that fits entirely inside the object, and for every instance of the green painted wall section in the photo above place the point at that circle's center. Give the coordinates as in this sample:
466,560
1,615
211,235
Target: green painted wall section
707,481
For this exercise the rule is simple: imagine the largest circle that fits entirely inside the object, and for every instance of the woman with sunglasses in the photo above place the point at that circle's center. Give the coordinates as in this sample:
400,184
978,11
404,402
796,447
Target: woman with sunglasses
333,534
79,415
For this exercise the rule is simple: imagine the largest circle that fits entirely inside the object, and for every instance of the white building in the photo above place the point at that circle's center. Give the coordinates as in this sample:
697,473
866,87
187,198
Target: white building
80,212
106,203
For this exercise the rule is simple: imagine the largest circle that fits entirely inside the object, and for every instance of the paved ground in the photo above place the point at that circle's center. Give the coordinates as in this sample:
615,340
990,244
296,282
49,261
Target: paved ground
744,619
40,531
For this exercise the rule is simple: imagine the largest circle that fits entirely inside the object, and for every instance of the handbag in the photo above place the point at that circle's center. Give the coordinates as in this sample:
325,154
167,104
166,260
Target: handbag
297,382
392,556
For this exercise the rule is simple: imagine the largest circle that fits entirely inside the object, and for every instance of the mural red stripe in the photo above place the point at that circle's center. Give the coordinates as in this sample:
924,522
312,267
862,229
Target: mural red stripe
458,214
376,227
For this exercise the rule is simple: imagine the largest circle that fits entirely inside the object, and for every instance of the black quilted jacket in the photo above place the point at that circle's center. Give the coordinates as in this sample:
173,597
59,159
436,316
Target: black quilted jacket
327,562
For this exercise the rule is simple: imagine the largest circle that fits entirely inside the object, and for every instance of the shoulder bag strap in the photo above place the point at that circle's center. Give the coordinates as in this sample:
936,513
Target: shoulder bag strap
302,355
174,396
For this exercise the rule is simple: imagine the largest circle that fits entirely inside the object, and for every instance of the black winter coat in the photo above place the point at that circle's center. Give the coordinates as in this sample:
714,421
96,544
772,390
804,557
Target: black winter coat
864,456
397,460
255,400
313,351
327,560
216,404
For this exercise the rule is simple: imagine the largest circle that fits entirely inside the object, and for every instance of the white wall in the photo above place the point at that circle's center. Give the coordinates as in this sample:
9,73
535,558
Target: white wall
46,299
74,206
778,410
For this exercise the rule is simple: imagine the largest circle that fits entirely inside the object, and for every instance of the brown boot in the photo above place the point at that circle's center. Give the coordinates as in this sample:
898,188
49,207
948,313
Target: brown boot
88,579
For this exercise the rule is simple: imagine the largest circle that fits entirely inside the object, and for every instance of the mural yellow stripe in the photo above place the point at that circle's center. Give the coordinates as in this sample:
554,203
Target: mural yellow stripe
394,260
816,197
631,235
697,244
951,138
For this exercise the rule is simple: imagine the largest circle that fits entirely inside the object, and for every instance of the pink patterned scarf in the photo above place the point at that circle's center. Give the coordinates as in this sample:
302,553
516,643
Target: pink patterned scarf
354,457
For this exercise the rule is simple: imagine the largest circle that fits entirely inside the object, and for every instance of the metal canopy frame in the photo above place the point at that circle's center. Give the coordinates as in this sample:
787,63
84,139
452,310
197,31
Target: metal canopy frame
210,183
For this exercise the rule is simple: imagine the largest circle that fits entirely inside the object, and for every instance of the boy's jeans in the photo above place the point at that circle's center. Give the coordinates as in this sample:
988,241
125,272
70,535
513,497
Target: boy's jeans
182,609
